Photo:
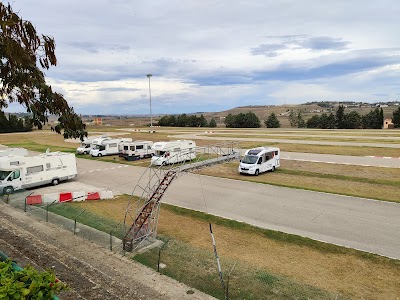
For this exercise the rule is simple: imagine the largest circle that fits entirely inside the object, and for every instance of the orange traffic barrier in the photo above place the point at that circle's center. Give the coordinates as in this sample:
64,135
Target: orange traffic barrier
93,196
34,199
65,197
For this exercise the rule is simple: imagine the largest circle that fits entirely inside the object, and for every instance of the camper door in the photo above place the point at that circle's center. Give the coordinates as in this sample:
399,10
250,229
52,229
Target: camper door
15,179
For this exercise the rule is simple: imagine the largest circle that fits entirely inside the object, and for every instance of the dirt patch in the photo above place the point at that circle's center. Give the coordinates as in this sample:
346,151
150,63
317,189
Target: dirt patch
91,271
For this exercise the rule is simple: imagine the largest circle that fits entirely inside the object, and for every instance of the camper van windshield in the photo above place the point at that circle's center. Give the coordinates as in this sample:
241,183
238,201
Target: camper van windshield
4,174
159,153
100,147
248,159
85,145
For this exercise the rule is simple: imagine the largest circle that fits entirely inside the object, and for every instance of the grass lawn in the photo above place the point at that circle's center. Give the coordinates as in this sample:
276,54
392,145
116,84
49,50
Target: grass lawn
269,264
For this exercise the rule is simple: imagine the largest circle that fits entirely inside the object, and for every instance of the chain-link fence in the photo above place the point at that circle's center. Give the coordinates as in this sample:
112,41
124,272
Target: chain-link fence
194,266
103,232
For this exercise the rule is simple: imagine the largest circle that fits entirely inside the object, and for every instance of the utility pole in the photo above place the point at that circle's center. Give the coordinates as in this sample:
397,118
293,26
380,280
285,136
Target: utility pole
151,115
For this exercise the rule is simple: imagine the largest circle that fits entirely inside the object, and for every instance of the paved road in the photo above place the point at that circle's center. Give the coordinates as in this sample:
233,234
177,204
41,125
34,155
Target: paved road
368,225
193,136
385,162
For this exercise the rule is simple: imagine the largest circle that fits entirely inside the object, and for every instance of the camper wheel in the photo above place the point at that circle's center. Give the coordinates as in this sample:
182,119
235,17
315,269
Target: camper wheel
273,168
257,172
8,190
55,181
99,155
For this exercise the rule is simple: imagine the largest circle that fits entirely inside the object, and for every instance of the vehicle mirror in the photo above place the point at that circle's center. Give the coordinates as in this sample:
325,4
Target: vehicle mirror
240,160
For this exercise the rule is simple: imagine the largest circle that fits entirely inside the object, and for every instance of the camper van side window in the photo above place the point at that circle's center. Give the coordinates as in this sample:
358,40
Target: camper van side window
112,145
139,147
14,163
276,152
35,169
17,173
48,166
148,147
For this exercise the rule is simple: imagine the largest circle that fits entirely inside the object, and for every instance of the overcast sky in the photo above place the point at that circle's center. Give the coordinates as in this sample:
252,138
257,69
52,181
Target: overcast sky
215,55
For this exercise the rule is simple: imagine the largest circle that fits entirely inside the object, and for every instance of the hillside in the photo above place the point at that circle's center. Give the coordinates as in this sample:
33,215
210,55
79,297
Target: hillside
262,112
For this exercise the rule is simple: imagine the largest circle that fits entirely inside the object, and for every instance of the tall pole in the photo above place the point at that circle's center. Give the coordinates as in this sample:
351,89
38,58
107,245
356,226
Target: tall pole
151,116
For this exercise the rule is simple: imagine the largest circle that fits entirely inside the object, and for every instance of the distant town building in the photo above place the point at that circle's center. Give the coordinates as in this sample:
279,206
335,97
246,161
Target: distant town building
388,124
98,121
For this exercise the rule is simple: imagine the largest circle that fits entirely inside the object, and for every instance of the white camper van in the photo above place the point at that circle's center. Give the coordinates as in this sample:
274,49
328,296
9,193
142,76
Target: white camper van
19,172
173,152
108,147
141,149
89,144
14,152
259,160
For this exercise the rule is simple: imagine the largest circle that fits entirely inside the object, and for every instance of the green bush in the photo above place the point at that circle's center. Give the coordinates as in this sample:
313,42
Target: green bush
27,284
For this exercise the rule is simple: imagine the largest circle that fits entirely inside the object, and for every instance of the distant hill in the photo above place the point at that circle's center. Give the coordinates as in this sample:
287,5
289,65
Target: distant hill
263,111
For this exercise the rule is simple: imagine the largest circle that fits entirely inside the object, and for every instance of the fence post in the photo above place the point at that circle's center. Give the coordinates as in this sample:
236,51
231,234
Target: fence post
159,255
47,210
26,200
111,232
77,218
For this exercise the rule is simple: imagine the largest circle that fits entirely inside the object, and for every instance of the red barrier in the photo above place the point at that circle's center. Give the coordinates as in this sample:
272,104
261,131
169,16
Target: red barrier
34,199
93,196
65,197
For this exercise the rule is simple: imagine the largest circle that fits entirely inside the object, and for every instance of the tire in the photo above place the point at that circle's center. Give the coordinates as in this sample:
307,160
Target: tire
99,155
8,190
257,172
55,181
85,152
273,168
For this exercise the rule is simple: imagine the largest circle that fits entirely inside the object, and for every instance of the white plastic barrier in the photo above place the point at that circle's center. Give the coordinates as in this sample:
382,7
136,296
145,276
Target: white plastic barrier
49,198
106,195
79,196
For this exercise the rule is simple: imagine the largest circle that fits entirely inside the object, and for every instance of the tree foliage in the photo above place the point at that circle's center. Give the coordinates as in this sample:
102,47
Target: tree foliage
14,124
212,123
272,121
351,120
247,120
22,49
183,121
396,118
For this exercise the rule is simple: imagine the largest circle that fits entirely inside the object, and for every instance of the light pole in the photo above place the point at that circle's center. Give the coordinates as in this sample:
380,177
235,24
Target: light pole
151,116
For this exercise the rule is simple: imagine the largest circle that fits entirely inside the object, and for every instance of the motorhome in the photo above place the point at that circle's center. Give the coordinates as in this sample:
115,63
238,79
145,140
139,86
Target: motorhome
108,147
259,160
141,149
20,172
89,144
13,152
173,152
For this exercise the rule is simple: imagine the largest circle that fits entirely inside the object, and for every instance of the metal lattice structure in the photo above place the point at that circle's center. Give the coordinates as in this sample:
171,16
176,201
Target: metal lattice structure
142,215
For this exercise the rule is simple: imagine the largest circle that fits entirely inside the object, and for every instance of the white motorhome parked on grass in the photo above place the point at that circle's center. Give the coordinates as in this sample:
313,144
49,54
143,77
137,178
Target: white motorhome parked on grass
140,149
259,160
19,172
173,152
108,147
89,144
14,152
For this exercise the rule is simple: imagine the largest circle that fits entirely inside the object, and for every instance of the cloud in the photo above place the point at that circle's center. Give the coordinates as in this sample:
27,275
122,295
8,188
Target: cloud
324,43
215,55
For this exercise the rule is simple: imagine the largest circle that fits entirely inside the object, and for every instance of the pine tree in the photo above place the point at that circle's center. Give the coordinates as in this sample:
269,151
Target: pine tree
272,121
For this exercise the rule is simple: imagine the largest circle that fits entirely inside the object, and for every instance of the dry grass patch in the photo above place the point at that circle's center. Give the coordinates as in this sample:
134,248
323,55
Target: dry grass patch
341,270
314,181
326,149
311,138
392,174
